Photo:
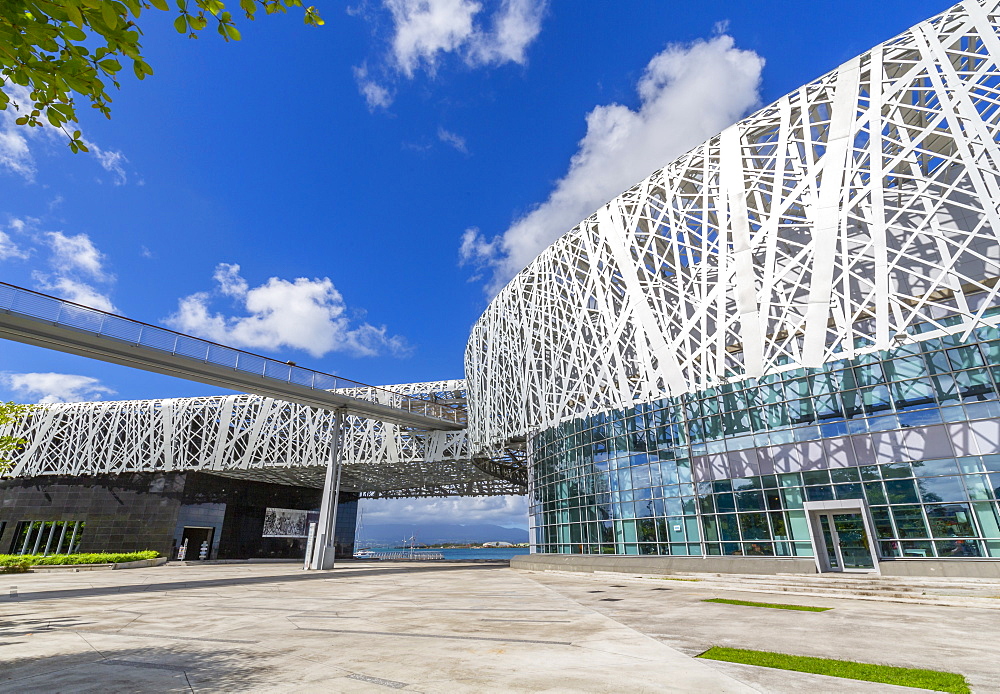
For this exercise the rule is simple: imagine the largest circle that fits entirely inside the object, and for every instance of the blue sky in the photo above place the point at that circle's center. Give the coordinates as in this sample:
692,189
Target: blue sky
349,196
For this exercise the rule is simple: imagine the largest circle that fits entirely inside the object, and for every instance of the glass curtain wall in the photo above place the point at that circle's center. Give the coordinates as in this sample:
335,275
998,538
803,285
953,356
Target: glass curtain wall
621,482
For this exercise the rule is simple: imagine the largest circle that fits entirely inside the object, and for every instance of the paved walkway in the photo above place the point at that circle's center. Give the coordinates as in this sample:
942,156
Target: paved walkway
446,627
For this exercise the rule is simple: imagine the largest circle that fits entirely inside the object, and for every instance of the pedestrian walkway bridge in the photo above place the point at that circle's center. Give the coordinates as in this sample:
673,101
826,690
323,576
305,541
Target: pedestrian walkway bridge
46,321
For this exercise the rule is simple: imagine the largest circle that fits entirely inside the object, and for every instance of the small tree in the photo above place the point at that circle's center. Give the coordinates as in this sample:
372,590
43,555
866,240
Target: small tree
10,414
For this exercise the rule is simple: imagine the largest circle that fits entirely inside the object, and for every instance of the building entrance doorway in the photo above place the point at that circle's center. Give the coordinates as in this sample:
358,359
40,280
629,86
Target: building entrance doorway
842,537
195,537
845,542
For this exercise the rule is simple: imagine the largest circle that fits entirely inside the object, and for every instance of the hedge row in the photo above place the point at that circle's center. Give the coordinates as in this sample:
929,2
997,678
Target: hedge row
62,559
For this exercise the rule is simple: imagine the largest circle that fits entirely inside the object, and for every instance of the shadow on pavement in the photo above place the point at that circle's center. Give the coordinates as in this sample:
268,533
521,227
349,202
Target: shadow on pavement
157,668
28,596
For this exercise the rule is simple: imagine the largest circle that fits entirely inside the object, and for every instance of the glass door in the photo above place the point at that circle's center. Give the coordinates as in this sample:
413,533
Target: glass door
846,542
852,542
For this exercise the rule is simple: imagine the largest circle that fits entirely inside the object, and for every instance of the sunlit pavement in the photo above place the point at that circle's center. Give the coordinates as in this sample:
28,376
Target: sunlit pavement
441,627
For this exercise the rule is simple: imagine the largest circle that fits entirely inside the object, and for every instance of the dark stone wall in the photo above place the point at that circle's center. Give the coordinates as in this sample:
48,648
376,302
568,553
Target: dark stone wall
138,511
124,513
246,503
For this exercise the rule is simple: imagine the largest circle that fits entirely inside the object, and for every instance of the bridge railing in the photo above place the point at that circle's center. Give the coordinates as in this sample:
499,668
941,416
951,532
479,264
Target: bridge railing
42,307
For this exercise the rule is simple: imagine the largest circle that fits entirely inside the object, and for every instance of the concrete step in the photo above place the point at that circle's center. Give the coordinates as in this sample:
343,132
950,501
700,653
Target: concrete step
859,587
834,589
875,583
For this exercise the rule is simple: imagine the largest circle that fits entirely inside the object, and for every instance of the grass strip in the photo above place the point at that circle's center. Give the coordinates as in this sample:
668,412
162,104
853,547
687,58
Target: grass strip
773,605
934,680
668,578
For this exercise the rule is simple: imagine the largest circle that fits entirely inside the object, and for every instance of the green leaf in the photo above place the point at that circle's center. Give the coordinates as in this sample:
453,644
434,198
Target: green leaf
72,33
160,4
180,24
109,13
110,65
73,13
232,32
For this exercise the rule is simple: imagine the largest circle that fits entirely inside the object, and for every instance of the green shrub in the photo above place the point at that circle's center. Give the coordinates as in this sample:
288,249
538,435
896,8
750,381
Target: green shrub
20,567
65,559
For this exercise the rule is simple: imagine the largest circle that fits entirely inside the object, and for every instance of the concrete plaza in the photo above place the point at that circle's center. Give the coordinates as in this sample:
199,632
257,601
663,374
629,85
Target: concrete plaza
443,627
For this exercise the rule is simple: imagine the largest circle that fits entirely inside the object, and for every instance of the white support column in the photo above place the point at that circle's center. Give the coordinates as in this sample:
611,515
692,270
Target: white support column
325,544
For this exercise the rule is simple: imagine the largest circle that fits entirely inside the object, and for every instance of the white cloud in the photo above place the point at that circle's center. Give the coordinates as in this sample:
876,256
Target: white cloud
509,511
111,161
375,94
515,27
76,263
687,93
10,250
75,254
425,28
52,387
481,34
453,139
74,290
302,314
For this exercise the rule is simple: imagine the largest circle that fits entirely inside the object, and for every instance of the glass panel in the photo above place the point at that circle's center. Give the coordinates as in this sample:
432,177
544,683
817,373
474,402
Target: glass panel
978,488
883,525
754,526
875,493
725,503
847,474
793,497
938,489
816,477
901,492
929,468
989,519
819,493
750,501
848,491
909,521
799,527
950,520
958,548
728,529
917,549
896,471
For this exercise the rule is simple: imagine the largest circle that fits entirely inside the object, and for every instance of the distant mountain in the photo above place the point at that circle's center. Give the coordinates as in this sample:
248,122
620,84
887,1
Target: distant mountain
435,533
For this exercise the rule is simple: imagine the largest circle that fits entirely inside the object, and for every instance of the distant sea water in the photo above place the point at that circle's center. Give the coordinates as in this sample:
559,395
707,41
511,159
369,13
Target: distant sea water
483,552
469,553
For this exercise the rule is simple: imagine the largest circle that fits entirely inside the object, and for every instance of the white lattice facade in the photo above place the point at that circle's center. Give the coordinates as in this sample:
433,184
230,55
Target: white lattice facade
254,437
782,344
823,226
